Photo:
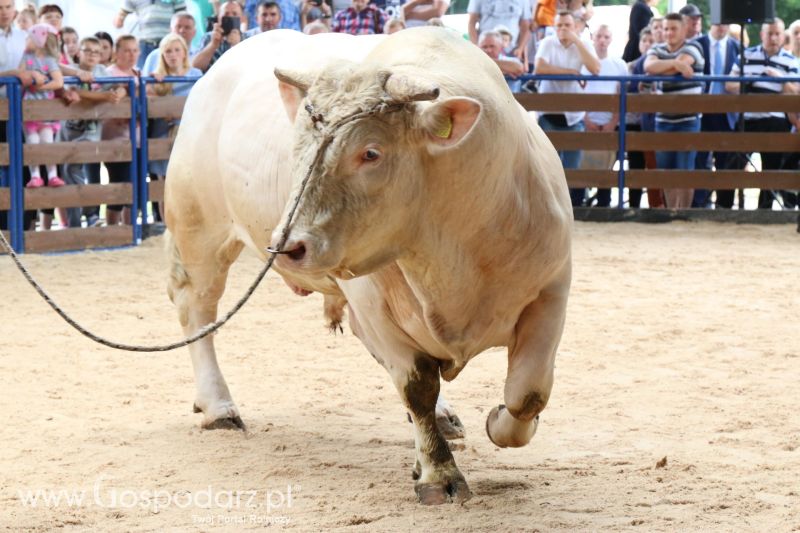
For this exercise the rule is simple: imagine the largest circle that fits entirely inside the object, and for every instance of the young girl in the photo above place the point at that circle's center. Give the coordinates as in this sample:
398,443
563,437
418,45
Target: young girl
26,17
173,61
70,40
106,48
41,58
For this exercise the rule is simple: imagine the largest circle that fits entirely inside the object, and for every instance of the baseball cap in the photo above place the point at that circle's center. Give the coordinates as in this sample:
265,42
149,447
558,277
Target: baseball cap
690,10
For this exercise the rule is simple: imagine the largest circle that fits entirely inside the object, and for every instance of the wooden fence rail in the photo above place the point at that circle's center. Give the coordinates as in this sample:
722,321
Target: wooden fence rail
172,107
650,141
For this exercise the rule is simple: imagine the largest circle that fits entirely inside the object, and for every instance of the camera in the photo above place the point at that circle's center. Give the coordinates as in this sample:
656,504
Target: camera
229,24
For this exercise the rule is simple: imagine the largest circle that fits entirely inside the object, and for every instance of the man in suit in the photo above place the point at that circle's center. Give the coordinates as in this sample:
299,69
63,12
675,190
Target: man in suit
722,54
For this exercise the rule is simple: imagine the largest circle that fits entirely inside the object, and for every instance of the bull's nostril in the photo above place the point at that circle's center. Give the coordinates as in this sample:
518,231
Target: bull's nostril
297,253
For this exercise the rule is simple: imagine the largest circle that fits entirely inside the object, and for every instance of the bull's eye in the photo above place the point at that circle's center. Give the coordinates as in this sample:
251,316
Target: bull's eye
370,155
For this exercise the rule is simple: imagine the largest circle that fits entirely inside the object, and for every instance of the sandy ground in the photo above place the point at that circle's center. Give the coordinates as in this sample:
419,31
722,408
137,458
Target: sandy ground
681,342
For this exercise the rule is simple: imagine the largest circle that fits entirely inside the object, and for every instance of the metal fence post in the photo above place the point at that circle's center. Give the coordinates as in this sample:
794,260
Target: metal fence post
144,189
16,217
623,110
134,168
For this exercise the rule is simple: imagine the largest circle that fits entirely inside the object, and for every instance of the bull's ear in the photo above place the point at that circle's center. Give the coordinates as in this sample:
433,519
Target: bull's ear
293,87
447,122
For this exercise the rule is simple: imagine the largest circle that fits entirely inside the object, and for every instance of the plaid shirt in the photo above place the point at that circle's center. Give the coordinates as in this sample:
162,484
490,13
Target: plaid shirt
360,22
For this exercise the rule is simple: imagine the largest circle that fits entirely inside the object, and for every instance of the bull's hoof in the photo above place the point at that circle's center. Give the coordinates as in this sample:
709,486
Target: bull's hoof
225,423
453,490
227,417
505,431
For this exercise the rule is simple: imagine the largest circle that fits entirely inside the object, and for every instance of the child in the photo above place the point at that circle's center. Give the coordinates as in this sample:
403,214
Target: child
508,39
107,48
26,17
41,58
86,130
69,38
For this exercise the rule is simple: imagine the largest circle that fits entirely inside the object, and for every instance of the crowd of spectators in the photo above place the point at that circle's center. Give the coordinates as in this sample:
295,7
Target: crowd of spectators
673,46
521,36
37,49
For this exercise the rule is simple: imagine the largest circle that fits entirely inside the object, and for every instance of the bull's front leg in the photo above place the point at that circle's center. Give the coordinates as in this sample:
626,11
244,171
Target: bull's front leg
530,369
438,479
196,282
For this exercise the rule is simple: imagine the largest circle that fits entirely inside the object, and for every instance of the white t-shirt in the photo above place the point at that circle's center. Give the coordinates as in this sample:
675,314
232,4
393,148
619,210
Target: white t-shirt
610,66
551,50
12,46
494,13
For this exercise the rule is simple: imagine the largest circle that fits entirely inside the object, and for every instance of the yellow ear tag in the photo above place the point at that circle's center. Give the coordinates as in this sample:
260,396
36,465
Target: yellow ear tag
445,132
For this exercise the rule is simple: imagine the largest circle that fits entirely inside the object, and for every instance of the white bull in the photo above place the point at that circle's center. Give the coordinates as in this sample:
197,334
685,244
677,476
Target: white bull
442,218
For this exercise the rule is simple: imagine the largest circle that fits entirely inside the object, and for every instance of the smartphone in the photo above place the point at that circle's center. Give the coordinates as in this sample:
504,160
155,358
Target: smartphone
229,24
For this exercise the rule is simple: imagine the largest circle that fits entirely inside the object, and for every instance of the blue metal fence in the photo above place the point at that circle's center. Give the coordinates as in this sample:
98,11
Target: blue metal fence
12,177
139,147
624,82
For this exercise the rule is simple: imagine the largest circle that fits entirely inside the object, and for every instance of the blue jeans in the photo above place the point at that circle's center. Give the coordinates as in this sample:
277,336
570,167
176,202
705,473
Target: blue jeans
570,159
677,160
145,47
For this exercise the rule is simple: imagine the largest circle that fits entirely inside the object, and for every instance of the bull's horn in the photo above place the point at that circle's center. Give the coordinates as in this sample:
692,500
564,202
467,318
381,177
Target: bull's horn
301,80
407,89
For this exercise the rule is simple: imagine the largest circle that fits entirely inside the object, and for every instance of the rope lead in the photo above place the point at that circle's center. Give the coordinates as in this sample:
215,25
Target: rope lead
208,329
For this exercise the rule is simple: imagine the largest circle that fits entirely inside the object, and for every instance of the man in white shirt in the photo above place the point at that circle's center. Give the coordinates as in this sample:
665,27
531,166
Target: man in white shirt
602,121
12,46
565,53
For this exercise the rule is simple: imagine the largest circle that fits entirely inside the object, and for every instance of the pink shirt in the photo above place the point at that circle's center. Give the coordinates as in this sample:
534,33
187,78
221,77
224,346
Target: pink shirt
117,128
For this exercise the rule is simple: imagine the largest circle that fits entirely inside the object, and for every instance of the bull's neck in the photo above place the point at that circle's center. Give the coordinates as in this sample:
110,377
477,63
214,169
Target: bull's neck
447,288
453,262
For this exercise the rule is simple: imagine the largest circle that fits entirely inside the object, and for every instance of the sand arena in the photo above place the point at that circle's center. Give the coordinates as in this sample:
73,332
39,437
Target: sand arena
681,342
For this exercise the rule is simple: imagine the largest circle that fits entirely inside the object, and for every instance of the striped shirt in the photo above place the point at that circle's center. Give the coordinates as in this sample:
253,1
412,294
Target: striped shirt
368,21
755,63
154,16
680,85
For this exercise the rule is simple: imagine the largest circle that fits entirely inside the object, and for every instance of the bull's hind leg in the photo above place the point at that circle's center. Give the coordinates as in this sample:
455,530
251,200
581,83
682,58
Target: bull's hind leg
438,479
530,369
199,266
